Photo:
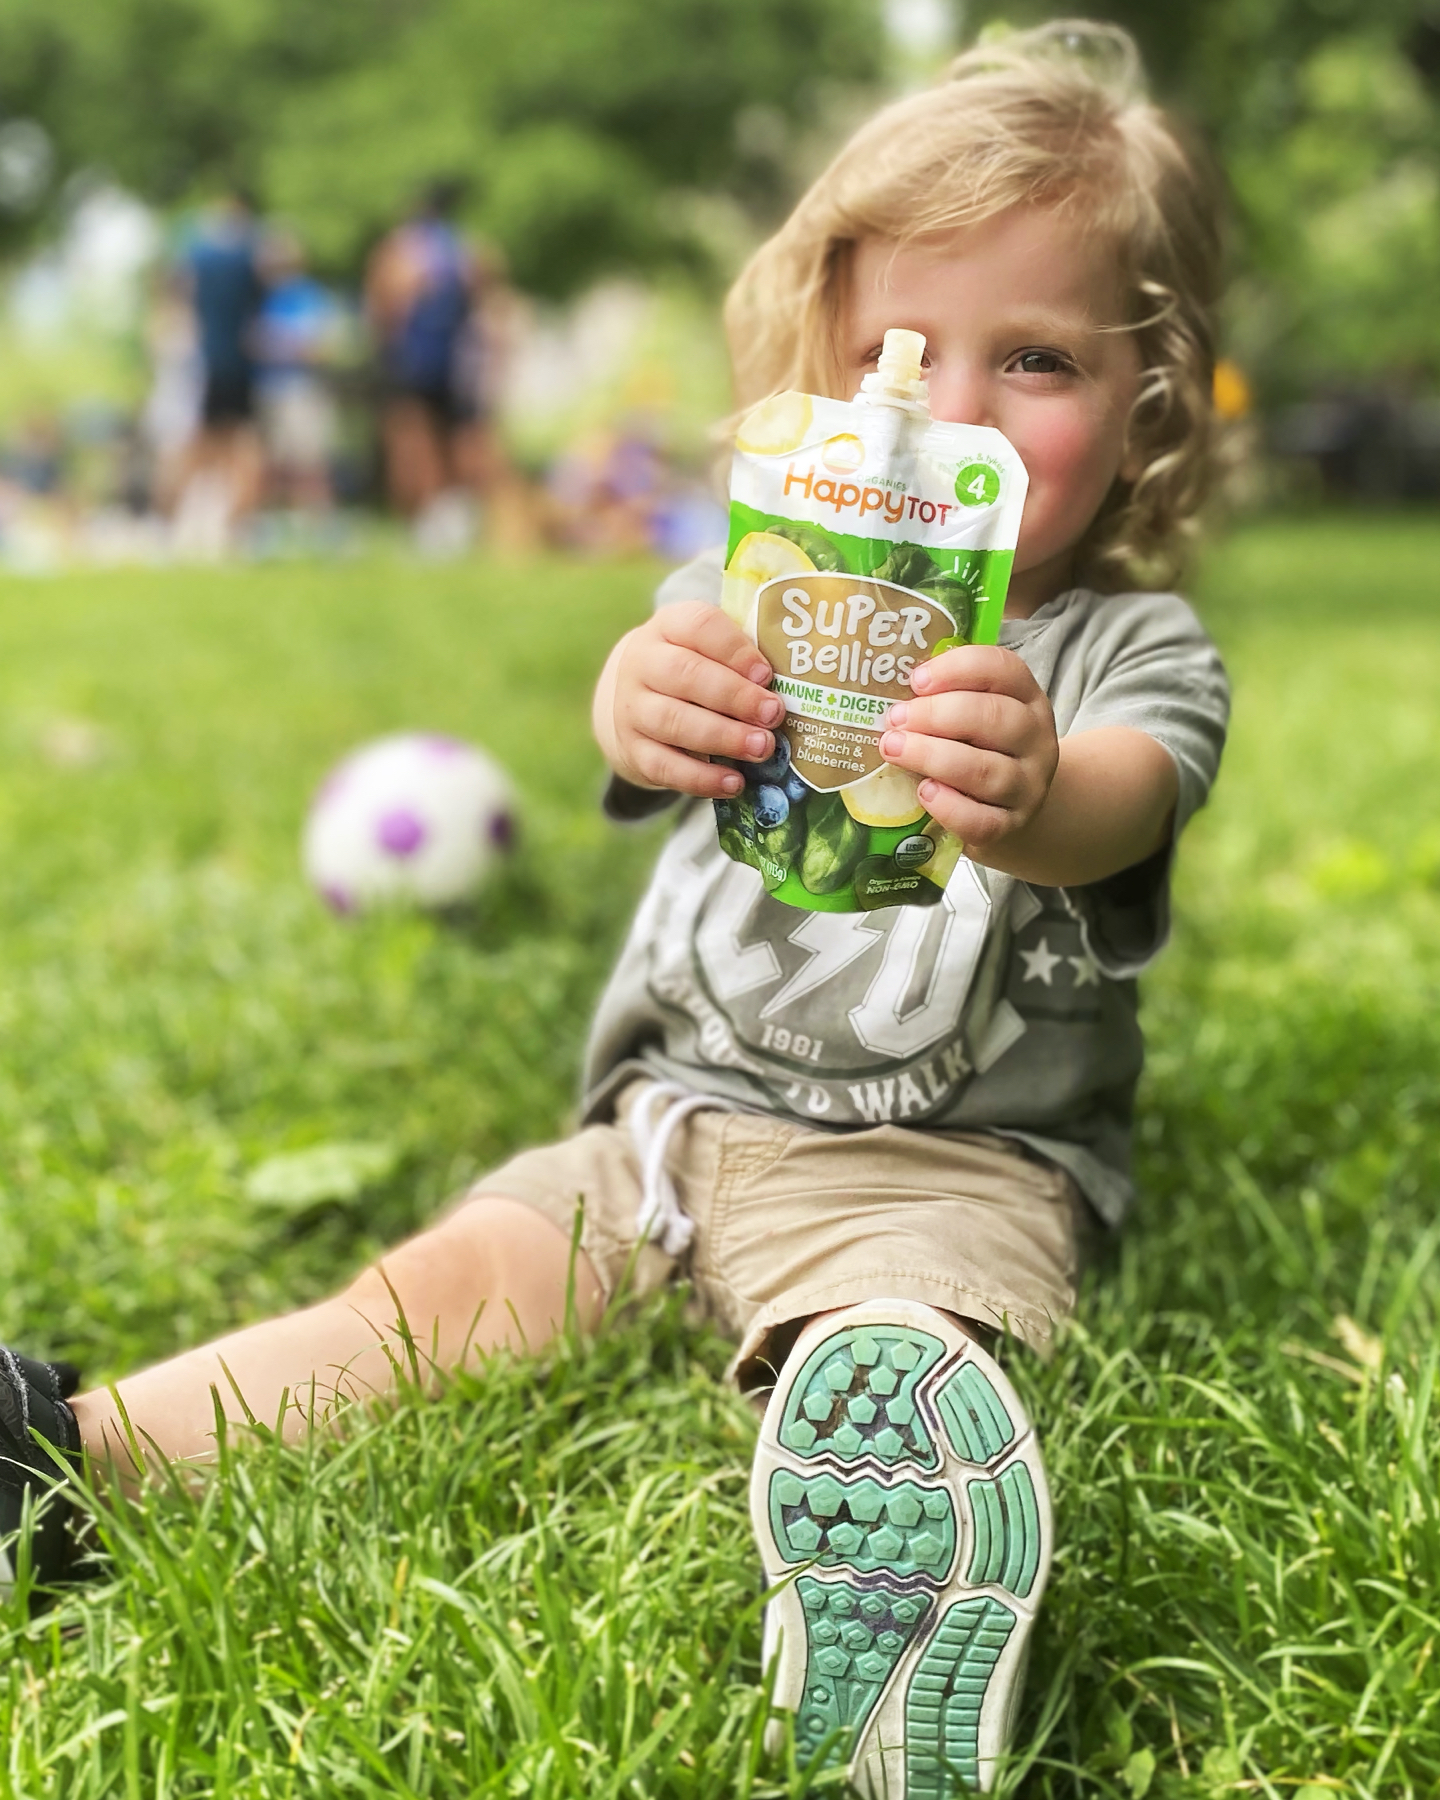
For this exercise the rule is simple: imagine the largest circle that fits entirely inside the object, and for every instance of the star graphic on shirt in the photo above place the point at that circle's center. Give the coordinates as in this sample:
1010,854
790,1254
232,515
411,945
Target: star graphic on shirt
1040,963
1087,970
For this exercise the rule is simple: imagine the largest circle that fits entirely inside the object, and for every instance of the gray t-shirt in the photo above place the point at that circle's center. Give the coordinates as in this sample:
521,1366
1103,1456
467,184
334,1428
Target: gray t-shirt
1008,1008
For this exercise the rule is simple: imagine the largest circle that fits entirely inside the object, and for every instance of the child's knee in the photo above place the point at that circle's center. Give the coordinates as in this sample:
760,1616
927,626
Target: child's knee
489,1249
512,1241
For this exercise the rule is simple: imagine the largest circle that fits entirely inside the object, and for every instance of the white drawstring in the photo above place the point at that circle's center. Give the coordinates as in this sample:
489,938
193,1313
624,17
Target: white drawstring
661,1216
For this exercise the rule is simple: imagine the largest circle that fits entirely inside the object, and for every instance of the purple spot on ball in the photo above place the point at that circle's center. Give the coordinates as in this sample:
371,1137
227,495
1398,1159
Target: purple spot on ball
500,829
336,898
439,745
400,833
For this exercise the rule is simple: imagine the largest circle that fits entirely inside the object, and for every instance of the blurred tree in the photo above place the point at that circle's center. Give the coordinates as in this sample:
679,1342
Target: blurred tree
582,125
1341,212
608,133
1325,115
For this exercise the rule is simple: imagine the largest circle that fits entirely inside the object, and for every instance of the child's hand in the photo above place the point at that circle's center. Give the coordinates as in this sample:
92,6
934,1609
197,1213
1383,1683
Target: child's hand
981,734
686,684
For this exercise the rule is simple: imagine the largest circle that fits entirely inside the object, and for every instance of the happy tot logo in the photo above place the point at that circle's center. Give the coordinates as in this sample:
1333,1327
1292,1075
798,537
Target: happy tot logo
843,454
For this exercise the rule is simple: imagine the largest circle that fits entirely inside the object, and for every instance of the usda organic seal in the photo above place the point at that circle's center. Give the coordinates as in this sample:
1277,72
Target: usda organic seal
910,852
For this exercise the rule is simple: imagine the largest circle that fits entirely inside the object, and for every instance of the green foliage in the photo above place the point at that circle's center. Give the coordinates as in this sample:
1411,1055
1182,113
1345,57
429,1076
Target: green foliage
1251,1531
216,1101
264,1646
168,981
1342,212
582,126
1324,118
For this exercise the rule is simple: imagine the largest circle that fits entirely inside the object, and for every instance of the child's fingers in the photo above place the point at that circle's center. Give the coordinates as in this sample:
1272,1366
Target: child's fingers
686,674
663,767
974,823
980,668
686,685
691,625
678,724
983,775
988,720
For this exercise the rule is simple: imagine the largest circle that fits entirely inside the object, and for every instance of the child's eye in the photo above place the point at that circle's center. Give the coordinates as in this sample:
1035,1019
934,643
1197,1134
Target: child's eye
1042,362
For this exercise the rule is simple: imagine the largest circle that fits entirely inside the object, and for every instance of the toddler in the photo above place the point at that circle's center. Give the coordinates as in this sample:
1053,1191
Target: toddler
871,1141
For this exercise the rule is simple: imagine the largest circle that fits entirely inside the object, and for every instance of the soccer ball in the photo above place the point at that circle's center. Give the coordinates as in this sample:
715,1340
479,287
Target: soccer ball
413,818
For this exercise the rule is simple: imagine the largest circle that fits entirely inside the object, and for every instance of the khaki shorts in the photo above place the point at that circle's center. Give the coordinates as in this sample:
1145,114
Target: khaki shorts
790,1221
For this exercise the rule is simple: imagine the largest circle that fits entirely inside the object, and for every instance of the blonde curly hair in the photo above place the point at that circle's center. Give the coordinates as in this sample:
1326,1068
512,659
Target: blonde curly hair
1055,117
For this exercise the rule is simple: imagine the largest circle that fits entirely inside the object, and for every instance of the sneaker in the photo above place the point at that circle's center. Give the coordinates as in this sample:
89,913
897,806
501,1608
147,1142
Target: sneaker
32,1401
899,1496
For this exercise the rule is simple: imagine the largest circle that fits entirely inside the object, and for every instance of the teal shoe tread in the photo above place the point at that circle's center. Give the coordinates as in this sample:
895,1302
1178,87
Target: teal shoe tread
1007,1539
855,1396
976,1418
863,1492
854,1637
906,1528
946,1695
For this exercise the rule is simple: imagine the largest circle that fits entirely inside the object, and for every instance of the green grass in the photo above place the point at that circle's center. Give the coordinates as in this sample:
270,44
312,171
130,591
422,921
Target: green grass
542,1585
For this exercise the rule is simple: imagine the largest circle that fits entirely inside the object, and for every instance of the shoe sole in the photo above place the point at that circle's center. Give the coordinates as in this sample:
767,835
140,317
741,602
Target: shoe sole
903,1517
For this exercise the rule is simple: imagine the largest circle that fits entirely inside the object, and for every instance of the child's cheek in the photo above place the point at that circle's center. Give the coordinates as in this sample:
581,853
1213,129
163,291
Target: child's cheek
1071,467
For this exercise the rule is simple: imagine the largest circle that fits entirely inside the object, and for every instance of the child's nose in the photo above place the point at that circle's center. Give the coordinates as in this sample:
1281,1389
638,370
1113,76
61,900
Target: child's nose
960,395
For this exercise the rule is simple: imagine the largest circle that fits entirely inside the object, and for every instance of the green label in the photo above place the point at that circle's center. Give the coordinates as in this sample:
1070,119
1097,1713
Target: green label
977,484
970,583
800,836
818,857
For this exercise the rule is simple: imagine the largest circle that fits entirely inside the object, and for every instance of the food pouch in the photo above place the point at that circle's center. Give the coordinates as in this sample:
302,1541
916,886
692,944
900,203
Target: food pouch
865,537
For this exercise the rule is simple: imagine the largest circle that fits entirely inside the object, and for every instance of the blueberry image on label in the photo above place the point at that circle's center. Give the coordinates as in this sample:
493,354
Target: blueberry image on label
797,791
772,807
775,767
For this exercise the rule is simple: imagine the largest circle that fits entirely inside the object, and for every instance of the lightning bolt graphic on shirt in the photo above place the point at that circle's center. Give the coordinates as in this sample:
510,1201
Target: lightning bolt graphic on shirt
834,941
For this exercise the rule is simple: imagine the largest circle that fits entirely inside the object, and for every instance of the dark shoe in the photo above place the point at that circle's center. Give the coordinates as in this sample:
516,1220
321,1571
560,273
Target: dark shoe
32,1405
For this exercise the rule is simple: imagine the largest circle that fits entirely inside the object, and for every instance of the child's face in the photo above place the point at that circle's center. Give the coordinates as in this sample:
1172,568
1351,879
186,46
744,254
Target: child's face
1019,316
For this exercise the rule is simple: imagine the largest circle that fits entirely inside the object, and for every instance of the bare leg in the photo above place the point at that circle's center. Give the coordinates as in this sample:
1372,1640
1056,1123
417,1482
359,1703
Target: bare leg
494,1274
414,456
243,458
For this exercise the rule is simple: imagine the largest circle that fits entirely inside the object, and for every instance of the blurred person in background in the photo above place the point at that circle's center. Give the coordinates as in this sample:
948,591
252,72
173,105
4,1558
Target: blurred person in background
171,414
34,457
605,490
299,338
221,482
427,295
